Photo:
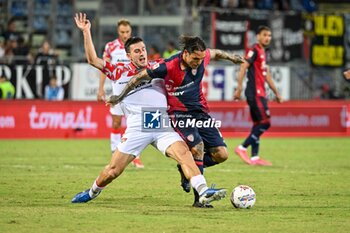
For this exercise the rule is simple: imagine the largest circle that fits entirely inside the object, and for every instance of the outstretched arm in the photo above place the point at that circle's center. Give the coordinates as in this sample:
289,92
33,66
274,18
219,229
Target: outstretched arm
133,82
84,25
242,71
220,54
271,84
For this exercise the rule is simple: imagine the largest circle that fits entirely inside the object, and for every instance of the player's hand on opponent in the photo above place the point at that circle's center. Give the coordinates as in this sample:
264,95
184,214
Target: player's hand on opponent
112,100
237,59
82,23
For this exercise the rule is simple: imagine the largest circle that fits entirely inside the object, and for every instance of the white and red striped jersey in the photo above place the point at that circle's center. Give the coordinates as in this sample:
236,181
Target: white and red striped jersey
115,52
150,94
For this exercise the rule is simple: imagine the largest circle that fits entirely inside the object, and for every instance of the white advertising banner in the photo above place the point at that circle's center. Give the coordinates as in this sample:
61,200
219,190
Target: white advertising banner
85,82
219,82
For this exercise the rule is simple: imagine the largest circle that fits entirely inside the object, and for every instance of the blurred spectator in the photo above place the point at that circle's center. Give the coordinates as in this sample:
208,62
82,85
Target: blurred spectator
53,91
309,5
46,55
249,4
153,53
21,53
47,58
265,4
303,5
327,93
7,90
208,3
10,33
170,50
229,3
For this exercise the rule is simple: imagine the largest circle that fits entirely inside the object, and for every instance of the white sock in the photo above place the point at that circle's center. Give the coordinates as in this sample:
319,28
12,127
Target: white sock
254,158
199,184
242,147
115,140
95,190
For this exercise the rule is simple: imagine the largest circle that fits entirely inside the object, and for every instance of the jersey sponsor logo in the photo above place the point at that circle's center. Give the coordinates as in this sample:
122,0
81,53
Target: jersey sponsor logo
178,93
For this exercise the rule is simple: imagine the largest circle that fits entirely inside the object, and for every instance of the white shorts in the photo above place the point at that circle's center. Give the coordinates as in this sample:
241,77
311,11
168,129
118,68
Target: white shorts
116,110
135,141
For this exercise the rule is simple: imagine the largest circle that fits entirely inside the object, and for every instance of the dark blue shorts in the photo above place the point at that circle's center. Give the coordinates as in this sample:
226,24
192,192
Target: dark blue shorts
210,136
259,111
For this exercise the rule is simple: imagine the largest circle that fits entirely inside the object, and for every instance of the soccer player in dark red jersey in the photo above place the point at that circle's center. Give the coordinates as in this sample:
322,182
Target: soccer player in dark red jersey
258,74
183,74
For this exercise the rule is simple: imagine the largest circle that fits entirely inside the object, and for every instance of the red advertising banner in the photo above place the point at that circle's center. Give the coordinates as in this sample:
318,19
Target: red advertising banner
44,119
85,119
292,118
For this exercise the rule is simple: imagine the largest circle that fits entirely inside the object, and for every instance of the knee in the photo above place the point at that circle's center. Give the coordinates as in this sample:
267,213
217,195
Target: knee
198,151
221,154
113,172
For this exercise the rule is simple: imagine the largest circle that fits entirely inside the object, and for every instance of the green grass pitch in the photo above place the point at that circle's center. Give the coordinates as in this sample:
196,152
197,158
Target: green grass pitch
306,190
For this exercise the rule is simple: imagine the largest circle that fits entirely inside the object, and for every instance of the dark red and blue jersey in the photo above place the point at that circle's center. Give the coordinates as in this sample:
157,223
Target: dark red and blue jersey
257,71
183,87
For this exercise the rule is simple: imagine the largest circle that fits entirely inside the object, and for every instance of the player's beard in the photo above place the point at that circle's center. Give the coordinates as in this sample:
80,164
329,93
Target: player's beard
140,63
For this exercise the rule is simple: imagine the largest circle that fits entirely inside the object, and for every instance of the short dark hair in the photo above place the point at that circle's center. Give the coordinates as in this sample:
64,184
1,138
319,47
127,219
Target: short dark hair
192,43
130,41
123,22
263,28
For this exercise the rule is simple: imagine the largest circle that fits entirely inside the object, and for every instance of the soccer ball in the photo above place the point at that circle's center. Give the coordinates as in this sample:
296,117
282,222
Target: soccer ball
243,197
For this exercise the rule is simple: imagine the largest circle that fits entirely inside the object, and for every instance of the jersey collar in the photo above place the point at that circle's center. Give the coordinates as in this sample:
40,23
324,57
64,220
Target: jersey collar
121,43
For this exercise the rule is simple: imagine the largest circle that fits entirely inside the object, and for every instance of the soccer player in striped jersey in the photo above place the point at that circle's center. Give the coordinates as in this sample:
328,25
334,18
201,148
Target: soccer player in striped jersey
114,52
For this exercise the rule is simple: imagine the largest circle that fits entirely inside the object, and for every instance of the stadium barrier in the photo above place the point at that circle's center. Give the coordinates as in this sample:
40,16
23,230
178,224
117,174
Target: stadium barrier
91,119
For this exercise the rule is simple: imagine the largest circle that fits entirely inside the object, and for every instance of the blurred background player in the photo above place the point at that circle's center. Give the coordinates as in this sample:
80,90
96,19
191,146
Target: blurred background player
115,53
258,73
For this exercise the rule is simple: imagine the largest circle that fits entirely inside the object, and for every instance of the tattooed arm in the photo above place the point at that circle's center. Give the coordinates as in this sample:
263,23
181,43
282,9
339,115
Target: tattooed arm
134,81
220,54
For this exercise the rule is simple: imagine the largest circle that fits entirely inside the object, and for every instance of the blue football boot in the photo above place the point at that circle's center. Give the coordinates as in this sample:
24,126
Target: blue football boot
212,194
82,197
